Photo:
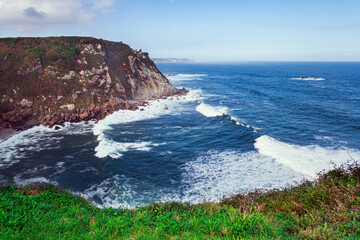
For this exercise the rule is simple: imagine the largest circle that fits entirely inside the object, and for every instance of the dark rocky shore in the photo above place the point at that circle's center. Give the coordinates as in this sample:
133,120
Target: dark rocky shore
54,80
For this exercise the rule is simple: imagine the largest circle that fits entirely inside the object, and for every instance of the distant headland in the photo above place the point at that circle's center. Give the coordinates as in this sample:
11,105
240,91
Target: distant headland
172,60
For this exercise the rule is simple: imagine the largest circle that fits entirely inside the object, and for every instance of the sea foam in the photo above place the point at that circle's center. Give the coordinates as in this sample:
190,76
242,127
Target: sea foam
216,111
155,109
308,159
309,79
216,174
272,164
115,149
36,139
211,111
115,192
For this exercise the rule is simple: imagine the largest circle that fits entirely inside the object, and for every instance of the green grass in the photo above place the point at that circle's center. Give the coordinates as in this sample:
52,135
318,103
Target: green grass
327,208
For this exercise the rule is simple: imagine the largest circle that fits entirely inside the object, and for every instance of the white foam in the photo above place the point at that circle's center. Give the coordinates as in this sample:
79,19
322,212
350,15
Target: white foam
216,111
20,181
217,174
38,138
211,111
155,109
114,192
308,160
185,77
309,79
15,147
326,138
115,149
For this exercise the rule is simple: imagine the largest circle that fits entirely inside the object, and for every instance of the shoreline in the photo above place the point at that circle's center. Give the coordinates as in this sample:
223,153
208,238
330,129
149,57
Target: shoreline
107,109
289,212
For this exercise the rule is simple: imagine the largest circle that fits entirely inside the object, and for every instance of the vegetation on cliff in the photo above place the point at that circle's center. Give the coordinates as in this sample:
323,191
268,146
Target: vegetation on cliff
327,208
56,79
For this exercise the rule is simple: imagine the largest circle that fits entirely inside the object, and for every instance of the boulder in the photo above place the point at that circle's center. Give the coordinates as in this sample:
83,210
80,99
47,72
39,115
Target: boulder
69,107
26,103
84,116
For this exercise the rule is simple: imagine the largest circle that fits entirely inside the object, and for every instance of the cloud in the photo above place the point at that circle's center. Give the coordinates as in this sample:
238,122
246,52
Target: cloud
32,12
28,15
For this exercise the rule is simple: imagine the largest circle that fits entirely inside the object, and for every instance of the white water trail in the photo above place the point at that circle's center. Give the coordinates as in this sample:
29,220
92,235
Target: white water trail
155,109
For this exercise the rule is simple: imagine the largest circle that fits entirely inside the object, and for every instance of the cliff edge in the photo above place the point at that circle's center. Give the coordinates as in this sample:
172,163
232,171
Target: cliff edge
70,79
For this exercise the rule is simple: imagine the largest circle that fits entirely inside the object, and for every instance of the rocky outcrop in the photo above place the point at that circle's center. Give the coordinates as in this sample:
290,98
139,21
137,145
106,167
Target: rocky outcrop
70,79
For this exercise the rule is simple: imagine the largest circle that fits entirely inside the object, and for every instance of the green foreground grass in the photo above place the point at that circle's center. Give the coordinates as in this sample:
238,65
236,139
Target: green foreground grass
327,208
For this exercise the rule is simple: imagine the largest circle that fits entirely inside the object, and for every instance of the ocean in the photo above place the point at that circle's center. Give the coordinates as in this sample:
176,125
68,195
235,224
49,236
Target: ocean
243,126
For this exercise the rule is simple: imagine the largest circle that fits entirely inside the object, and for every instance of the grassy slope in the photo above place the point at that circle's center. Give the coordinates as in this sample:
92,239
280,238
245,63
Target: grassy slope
328,208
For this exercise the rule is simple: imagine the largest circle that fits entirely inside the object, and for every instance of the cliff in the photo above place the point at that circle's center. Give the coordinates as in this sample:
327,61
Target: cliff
56,79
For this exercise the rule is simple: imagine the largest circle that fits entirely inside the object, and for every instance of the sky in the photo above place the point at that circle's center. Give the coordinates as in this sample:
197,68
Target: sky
203,30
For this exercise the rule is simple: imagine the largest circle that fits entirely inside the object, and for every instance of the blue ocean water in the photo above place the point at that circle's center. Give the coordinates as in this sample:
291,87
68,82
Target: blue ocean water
242,126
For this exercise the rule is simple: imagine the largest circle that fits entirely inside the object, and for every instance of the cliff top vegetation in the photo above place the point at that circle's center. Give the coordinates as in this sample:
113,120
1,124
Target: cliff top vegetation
326,208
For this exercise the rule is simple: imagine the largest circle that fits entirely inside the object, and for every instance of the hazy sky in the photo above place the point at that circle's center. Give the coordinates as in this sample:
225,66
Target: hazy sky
204,30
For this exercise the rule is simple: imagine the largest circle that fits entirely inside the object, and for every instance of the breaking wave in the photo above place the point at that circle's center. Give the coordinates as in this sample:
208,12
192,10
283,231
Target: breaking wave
155,109
309,79
308,160
113,192
217,174
36,139
212,111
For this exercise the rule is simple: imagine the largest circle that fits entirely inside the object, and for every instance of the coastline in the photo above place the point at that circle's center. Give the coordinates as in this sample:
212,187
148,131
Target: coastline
87,80
91,114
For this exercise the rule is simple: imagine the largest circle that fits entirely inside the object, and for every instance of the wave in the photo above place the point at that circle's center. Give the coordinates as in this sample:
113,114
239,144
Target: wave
115,149
20,181
36,139
309,79
217,174
308,160
273,164
155,109
119,191
211,111
216,111
185,77
115,192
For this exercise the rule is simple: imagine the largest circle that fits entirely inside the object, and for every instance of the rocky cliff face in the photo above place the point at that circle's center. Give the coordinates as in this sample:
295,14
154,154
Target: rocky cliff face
57,79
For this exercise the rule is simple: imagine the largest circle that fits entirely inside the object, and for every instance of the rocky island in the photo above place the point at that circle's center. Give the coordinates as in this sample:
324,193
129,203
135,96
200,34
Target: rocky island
54,80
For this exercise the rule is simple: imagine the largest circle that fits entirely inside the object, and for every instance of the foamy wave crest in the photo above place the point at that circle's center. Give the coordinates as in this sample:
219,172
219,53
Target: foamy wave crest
20,181
218,174
113,192
155,109
308,160
211,111
115,149
185,77
309,79
35,139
